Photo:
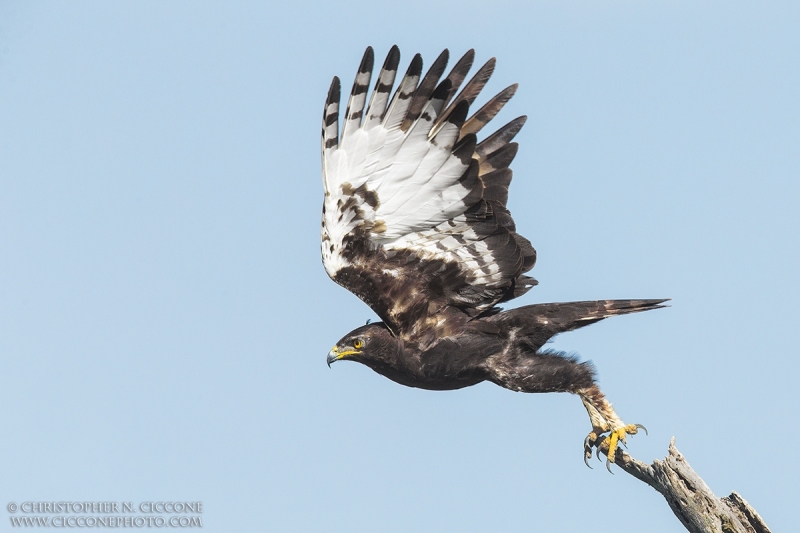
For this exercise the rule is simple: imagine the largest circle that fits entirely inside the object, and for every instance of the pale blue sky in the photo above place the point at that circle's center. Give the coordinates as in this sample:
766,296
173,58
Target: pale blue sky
164,314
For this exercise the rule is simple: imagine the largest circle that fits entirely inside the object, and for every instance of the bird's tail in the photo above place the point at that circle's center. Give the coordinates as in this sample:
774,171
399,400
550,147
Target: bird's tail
601,309
558,318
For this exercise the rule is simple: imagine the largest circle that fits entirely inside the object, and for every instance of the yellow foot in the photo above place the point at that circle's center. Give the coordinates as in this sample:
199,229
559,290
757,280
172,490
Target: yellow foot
596,440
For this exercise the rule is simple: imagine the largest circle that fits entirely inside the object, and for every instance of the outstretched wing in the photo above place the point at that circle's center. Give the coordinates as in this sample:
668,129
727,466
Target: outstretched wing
414,219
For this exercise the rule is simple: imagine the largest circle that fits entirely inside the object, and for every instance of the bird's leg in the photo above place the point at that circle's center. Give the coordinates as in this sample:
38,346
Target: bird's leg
548,371
604,420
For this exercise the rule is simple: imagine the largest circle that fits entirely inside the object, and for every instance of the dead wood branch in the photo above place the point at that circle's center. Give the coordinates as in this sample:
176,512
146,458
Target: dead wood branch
698,509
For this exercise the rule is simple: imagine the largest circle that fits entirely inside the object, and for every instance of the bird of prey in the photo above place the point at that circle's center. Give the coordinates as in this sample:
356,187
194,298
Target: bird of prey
414,222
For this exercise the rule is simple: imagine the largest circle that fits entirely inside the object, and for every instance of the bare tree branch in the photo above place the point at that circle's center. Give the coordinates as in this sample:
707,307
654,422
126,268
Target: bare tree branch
698,509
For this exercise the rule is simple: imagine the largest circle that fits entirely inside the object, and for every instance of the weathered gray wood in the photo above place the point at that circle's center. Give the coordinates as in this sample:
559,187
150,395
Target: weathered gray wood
698,509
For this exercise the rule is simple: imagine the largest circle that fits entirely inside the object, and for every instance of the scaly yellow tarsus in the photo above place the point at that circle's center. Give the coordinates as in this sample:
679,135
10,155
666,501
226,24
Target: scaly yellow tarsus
612,443
618,436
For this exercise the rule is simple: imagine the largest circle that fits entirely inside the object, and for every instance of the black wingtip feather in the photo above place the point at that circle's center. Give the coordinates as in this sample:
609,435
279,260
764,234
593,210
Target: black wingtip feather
392,58
415,67
334,93
368,61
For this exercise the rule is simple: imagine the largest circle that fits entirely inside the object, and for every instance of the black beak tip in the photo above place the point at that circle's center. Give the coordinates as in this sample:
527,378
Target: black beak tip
332,358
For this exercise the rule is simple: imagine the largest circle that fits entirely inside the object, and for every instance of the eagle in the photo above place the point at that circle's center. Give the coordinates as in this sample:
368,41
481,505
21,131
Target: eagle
415,223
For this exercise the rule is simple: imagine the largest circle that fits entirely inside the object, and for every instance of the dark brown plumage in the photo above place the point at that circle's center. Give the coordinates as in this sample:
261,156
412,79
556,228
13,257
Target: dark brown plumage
415,224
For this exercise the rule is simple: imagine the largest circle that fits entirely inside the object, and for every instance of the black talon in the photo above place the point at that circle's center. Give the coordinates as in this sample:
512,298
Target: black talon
588,444
608,467
642,427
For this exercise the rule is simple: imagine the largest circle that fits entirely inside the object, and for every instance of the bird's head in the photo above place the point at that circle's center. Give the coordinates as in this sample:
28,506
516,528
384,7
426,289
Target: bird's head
372,343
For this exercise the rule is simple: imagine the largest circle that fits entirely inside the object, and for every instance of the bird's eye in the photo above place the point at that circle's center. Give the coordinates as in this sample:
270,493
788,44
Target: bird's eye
358,344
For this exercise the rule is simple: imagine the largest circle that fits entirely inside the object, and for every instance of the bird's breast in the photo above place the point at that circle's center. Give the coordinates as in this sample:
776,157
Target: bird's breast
444,367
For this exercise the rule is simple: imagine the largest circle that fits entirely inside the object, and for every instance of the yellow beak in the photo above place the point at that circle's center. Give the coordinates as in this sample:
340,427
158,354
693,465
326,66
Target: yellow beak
334,355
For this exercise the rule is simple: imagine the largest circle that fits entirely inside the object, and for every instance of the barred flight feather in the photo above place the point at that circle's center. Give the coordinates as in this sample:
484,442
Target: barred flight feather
380,94
358,95
500,138
482,117
414,216
426,87
459,73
